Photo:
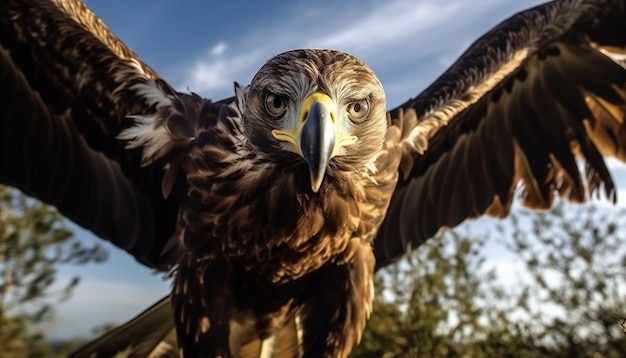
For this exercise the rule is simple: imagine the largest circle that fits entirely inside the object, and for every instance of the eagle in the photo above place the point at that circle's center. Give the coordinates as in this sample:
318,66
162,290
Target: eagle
272,209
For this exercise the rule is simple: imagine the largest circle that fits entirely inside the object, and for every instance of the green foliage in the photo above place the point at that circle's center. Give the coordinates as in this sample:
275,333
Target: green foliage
576,262
567,301
437,303
34,241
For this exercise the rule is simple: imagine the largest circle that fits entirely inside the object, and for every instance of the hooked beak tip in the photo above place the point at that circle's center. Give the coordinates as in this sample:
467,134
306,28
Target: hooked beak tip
316,183
317,142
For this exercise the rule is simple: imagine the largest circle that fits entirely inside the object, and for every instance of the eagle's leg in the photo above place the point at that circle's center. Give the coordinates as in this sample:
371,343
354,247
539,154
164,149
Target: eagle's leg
338,306
202,300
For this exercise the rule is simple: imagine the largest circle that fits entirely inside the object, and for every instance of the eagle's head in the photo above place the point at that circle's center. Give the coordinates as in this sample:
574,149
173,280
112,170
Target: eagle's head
324,106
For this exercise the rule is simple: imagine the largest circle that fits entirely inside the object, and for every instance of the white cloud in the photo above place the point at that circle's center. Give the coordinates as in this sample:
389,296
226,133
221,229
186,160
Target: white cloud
217,73
218,49
392,37
395,22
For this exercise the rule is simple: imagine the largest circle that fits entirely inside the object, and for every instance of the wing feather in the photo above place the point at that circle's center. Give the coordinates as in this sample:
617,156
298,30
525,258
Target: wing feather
68,88
540,91
136,337
151,334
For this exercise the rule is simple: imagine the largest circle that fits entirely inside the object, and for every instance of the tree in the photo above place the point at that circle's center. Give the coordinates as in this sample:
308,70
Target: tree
34,240
431,303
576,264
568,302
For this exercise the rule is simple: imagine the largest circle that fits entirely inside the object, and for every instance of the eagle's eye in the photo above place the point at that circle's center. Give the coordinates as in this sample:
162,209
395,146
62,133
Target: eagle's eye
275,104
358,109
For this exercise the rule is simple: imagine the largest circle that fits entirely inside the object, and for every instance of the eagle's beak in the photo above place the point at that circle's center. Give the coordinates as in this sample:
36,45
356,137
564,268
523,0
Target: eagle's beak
316,136
317,139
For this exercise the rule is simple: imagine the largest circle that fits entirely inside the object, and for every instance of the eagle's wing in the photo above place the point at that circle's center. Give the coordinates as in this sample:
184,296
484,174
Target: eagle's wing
152,334
67,85
539,91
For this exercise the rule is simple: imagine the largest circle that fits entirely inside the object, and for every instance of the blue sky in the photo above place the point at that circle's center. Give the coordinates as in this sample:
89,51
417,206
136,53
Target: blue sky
204,46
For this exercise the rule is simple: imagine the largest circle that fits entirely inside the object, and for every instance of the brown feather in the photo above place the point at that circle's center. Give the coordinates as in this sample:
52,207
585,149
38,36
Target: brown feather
513,120
136,336
44,48
250,213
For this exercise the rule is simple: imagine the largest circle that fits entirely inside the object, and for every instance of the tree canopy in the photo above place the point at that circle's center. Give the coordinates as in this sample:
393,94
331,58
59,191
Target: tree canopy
34,241
566,301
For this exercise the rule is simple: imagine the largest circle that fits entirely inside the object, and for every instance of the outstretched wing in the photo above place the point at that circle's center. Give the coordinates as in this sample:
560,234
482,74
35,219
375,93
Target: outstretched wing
68,85
152,334
539,91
